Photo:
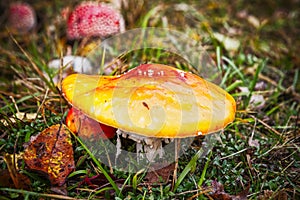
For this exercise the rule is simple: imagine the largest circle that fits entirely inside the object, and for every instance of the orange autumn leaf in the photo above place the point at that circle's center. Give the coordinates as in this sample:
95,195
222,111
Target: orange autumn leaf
51,153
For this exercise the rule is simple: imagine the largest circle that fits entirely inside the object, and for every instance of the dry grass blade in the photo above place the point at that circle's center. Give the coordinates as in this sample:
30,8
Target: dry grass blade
34,66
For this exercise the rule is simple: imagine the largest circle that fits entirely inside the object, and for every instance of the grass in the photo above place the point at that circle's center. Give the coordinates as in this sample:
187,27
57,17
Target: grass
258,152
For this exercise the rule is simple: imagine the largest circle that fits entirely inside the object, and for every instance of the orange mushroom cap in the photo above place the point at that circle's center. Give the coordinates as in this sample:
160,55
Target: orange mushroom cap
86,127
152,100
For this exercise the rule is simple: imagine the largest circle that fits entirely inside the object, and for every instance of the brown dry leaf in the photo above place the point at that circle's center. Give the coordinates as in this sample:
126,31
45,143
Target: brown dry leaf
218,193
5,179
51,153
161,175
269,194
20,181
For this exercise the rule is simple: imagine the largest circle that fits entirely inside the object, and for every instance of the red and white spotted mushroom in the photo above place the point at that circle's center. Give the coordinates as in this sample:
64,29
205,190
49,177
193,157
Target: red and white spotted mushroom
22,18
93,19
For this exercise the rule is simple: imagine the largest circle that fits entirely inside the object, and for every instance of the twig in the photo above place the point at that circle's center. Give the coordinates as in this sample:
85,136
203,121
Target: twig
287,166
200,193
192,191
267,126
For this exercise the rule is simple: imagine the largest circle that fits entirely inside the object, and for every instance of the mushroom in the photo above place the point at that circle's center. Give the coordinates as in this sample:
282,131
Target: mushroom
79,64
82,125
94,19
152,101
70,64
21,18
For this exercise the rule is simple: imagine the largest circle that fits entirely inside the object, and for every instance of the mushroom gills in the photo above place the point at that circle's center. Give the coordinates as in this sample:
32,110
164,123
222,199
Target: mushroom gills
146,147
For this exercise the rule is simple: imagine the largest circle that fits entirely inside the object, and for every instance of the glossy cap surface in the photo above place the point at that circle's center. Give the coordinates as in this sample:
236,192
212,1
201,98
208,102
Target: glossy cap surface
152,100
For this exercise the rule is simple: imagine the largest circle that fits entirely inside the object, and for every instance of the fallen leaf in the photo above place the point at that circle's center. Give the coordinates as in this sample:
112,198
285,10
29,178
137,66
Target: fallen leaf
161,175
61,190
218,193
269,194
100,181
51,153
5,179
257,101
31,116
87,128
19,116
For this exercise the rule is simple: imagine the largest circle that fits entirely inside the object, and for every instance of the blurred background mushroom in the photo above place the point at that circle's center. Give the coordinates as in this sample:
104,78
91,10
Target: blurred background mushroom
86,25
22,18
93,19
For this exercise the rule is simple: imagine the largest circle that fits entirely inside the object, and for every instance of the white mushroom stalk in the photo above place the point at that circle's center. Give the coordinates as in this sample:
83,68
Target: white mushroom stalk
149,147
68,65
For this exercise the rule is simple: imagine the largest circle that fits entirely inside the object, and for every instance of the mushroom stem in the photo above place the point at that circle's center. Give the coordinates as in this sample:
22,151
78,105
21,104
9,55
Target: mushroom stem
118,145
145,146
177,149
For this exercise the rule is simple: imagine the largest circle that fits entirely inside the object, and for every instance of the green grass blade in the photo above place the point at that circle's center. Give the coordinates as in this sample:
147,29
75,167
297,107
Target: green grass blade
233,85
231,63
113,184
135,180
77,173
260,67
152,12
201,180
191,165
207,145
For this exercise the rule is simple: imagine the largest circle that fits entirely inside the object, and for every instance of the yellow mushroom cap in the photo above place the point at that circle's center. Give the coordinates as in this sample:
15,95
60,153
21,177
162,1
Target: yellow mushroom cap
152,100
